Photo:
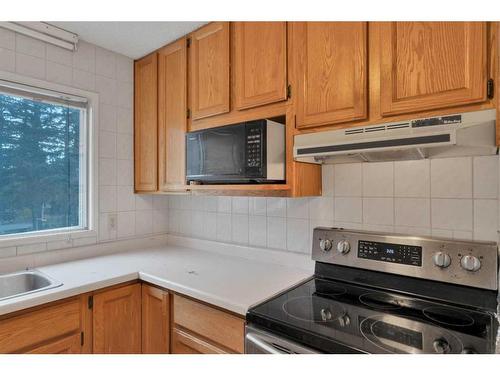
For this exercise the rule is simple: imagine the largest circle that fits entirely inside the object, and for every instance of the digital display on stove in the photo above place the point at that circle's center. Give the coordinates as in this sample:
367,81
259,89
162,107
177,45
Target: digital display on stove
390,252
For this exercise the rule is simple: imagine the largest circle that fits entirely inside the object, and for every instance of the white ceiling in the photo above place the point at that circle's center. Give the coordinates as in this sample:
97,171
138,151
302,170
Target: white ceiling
132,39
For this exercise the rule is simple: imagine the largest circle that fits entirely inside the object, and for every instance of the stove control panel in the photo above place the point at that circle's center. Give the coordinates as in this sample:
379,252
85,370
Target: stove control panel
470,263
390,252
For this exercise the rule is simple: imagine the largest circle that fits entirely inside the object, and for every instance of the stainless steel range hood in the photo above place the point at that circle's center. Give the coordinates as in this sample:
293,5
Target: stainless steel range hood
464,134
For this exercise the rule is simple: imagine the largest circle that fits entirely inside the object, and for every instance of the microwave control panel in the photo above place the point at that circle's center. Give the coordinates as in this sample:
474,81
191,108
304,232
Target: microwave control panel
254,139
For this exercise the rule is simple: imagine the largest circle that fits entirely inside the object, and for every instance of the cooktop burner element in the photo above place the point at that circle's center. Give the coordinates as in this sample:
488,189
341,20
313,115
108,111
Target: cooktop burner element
380,301
313,309
397,335
451,317
361,299
328,288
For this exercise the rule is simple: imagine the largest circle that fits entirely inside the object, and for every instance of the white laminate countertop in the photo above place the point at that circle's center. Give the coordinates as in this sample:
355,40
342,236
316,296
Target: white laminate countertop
229,282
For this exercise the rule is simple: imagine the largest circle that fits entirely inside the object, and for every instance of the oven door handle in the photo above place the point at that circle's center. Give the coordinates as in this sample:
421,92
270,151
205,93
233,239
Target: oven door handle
267,348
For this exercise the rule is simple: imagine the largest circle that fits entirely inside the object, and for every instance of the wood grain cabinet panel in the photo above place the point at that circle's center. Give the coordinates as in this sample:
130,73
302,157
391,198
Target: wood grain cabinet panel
41,327
221,328
146,124
260,63
155,320
186,343
209,78
66,345
431,65
117,320
172,118
330,70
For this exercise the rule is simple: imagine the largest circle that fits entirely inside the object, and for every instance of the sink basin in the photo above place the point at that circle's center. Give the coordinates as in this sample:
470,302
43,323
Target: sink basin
25,282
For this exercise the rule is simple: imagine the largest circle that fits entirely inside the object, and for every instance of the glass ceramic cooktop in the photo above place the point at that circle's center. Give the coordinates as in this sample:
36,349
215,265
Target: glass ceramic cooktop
374,321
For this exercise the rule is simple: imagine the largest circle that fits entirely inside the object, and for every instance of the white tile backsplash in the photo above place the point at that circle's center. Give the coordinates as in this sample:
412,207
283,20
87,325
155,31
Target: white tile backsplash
412,178
30,66
7,39
412,212
7,60
378,211
378,179
454,214
485,177
348,209
30,46
239,229
276,232
347,180
451,178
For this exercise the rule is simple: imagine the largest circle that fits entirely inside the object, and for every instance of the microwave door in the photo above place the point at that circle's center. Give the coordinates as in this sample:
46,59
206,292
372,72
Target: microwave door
217,155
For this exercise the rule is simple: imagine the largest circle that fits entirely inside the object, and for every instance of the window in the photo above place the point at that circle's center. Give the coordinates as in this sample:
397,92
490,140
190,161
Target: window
43,161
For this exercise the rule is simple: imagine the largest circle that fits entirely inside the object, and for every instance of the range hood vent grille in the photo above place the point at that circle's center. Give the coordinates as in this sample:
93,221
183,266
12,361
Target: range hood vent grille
464,134
378,128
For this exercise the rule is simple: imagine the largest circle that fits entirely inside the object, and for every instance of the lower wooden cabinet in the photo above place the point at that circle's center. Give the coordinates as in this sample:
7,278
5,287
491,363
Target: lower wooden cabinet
184,342
199,328
125,319
117,320
155,320
53,328
67,345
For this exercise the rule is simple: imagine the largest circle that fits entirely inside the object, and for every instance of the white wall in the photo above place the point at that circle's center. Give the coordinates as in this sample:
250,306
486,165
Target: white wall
110,75
455,198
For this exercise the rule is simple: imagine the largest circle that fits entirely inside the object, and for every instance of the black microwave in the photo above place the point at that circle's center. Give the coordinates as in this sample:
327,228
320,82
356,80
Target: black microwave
243,153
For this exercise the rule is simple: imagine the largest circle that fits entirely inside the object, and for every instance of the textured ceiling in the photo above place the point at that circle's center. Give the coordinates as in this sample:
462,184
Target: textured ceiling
132,39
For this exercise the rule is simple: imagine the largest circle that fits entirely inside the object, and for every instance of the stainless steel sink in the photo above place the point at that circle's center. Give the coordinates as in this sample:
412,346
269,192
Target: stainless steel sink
25,282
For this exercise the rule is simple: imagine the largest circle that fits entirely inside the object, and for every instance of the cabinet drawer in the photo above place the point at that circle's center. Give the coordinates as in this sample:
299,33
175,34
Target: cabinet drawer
221,327
66,345
19,333
186,343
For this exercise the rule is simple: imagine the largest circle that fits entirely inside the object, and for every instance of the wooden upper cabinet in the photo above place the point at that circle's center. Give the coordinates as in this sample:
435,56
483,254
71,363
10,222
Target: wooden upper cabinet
431,65
146,124
172,118
155,320
209,70
330,64
117,320
260,63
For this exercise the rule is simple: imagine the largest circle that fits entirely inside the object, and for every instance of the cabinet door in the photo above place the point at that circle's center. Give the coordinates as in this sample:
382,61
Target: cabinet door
186,343
155,320
145,123
32,329
260,63
66,345
330,68
431,65
172,118
117,320
209,61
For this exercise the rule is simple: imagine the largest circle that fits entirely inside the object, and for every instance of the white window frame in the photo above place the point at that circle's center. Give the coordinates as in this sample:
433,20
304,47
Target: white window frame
64,234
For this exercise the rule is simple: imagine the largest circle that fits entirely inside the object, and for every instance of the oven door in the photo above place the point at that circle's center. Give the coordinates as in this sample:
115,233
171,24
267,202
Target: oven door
217,155
258,341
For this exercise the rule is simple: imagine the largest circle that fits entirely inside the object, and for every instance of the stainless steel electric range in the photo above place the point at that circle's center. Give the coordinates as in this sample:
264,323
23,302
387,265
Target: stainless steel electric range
384,293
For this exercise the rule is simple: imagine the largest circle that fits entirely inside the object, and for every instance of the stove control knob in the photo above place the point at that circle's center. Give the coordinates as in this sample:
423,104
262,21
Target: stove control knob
325,245
344,320
441,346
441,259
470,263
343,247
